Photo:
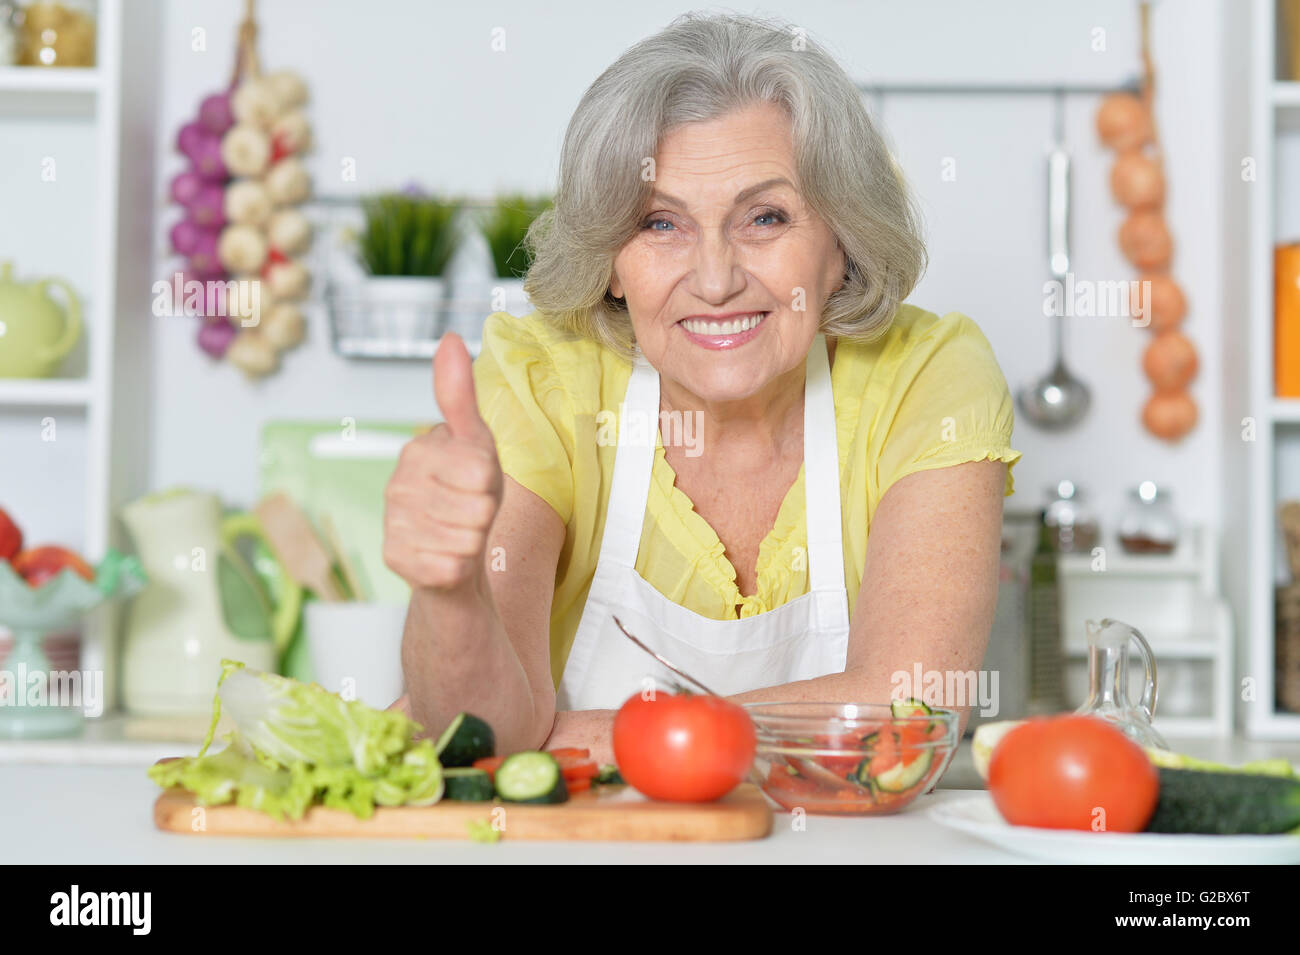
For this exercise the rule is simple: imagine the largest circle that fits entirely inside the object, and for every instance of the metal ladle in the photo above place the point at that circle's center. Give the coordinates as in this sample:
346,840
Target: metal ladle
1058,400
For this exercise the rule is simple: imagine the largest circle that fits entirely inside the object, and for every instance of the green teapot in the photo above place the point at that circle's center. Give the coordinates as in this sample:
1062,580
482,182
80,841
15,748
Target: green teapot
35,332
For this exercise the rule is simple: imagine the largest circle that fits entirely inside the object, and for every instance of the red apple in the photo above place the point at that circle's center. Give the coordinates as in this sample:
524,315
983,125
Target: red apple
41,563
11,538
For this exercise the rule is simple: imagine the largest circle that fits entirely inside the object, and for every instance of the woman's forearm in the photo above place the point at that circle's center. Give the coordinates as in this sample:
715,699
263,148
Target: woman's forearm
457,656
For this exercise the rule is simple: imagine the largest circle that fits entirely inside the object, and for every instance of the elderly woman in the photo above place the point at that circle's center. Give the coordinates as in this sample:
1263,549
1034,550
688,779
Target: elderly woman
722,424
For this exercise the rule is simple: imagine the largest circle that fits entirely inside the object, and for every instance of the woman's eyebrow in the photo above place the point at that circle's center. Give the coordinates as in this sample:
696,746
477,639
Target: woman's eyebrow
741,196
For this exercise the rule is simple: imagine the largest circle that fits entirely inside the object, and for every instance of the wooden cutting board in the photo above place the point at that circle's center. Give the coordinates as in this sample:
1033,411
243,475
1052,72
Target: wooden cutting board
610,814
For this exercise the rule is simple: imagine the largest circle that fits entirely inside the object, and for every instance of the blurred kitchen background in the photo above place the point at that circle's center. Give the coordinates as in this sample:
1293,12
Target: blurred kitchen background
387,158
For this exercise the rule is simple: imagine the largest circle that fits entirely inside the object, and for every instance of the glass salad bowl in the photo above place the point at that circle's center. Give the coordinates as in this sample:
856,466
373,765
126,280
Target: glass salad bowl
852,759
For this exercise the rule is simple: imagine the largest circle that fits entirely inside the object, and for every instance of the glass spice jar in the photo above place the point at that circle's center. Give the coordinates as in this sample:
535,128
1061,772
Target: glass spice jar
1069,520
1148,524
59,34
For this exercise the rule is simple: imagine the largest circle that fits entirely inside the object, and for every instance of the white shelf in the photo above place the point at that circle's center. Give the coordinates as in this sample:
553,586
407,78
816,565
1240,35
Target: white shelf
1286,94
1285,410
114,740
39,79
1181,727
1166,650
1269,114
1275,725
1188,559
107,458
41,392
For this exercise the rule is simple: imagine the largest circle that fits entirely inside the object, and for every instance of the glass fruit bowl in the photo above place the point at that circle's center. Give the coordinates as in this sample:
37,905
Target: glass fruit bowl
852,759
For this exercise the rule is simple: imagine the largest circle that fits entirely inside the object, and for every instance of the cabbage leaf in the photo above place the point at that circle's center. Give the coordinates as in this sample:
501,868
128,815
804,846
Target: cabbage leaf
296,745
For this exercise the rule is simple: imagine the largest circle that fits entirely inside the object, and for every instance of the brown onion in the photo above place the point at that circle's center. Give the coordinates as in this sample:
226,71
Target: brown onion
1170,361
1165,303
1145,241
1169,414
1137,181
1123,122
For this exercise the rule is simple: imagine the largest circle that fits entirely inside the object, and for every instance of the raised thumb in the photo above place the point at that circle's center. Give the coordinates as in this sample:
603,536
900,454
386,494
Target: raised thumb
453,388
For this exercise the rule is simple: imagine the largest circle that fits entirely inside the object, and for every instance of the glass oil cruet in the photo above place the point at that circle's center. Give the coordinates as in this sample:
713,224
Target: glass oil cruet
1108,644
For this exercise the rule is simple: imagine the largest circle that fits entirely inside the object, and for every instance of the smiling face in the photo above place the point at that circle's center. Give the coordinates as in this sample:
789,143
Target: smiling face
727,237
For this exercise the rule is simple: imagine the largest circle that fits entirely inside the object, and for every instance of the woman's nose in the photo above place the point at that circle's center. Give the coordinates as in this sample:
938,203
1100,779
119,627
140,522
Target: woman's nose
717,268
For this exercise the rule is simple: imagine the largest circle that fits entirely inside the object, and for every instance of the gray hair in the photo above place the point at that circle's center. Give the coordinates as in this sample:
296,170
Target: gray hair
698,68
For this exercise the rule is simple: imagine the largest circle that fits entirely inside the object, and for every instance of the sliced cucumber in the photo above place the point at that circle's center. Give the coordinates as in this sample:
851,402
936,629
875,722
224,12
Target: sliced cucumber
904,776
531,777
901,709
467,738
862,775
609,776
912,707
468,785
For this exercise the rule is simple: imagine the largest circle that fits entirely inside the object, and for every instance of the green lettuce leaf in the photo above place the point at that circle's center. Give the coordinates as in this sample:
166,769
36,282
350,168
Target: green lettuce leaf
290,722
237,775
296,745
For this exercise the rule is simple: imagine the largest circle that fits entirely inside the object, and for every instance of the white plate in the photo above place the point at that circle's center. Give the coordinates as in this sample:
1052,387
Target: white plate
978,817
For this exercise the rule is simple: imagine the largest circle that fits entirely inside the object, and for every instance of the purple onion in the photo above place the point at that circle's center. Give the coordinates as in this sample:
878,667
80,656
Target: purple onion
215,336
208,207
188,138
216,303
203,260
215,115
185,186
207,160
184,236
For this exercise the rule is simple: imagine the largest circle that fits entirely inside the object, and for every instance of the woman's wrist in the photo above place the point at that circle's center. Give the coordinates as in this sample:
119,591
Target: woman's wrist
586,729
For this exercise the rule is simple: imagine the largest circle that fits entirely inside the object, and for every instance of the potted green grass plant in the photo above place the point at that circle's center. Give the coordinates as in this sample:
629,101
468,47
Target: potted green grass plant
504,228
408,239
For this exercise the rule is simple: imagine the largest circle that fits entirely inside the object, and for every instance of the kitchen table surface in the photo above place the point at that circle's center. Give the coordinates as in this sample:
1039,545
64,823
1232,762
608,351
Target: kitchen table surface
78,814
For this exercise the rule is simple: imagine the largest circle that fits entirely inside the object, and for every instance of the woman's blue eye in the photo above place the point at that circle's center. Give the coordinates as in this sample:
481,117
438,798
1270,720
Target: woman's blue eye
776,214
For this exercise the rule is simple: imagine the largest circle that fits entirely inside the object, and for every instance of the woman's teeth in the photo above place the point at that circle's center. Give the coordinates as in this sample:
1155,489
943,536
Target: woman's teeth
699,326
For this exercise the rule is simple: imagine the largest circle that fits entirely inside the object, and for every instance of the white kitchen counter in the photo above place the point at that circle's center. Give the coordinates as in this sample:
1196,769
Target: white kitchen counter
88,800
103,814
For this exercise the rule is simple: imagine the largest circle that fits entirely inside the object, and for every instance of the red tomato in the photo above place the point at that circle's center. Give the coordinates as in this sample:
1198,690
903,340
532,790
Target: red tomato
38,564
11,538
570,752
683,747
575,769
1073,772
490,765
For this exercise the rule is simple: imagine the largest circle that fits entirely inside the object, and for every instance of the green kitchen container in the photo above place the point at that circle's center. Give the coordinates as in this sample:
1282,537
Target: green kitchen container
339,469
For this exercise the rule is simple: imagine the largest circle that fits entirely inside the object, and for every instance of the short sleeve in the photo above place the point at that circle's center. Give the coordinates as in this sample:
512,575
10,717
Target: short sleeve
523,400
948,403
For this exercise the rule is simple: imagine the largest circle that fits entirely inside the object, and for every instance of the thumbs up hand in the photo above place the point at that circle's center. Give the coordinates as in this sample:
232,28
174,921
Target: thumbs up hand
445,492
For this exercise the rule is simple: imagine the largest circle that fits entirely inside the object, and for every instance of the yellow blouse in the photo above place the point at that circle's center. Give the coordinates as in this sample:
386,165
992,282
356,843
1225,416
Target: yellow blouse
927,394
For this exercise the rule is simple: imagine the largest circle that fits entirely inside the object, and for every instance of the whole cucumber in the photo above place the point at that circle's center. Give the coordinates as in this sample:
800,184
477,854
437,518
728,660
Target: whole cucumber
1193,801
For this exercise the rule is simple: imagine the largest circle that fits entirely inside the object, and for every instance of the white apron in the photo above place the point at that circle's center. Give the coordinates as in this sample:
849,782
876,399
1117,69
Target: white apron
803,638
